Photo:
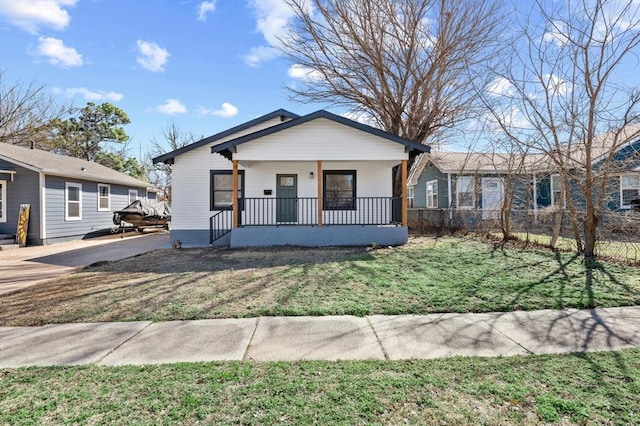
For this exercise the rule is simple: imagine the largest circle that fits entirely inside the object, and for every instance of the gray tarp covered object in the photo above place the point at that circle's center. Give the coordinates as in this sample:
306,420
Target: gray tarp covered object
140,214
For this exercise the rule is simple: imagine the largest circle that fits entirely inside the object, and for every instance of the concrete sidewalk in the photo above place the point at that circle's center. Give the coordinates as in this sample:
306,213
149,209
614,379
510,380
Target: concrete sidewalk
322,338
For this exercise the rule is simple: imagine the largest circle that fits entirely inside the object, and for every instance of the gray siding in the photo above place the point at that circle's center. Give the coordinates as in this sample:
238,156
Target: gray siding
430,173
23,190
59,229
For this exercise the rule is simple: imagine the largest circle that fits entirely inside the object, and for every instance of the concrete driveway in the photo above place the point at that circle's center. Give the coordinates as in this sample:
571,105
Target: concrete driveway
31,265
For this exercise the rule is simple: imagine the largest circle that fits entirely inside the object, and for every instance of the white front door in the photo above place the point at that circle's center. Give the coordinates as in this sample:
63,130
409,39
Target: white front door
492,197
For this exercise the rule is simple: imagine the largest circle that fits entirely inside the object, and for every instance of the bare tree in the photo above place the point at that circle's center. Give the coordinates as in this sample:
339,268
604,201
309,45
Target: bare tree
173,138
561,96
404,64
26,113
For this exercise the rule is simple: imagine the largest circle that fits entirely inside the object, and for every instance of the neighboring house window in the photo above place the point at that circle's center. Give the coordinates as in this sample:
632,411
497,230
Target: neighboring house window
339,189
133,195
222,189
410,196
432,194
3,201
104,197
465,192
629,190
557,192
73,201
152,196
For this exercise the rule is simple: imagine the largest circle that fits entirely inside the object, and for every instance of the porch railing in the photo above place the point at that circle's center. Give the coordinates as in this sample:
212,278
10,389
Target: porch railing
336,211
303,211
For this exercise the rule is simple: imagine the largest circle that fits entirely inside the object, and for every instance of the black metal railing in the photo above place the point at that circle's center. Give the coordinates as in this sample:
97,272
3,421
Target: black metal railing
336,211
219,225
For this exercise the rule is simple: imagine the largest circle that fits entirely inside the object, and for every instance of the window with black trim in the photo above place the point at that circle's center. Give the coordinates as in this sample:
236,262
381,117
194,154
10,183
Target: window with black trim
339,189
221,187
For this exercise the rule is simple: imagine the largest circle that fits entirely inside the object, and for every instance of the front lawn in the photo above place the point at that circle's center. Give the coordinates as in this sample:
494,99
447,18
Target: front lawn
426,275
592,388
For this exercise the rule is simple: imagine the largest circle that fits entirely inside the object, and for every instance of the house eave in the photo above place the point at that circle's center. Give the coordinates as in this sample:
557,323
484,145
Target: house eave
229,145
169,158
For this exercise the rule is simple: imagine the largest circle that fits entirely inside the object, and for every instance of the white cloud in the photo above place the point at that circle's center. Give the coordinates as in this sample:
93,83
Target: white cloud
510,116
58,53
151,56
557,34
30,15
501,87
272,20
556,85
361,117
258,55
204,8
226,111
172,107
89,95
303,73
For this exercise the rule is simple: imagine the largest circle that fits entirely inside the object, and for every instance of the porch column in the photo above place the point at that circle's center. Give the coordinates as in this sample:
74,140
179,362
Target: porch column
234,195
320,201
405,213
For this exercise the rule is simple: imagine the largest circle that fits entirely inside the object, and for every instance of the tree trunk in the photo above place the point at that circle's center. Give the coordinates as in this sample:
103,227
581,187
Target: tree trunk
590,228
557,226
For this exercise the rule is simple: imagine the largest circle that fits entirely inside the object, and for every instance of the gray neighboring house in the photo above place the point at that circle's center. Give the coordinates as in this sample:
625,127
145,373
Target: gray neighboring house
476,181
69,197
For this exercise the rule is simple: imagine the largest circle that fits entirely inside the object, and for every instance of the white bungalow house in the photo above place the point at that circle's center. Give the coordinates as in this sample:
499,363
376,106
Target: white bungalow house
313,180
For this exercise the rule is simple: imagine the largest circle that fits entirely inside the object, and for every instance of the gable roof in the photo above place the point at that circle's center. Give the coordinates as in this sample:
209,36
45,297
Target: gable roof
61,165
168,157
476,162
226,147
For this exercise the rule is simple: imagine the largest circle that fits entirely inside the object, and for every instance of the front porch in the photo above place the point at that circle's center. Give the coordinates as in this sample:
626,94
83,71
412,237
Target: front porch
310,221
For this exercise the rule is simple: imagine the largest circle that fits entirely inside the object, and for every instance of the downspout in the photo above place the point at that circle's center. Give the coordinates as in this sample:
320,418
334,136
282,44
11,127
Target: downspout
43,197
450,195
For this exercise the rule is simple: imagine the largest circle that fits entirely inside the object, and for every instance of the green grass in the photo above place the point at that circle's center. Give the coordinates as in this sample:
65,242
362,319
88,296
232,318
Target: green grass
428,275
592,388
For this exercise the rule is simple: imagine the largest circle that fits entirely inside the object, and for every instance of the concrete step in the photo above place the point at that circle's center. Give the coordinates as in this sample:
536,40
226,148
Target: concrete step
4,247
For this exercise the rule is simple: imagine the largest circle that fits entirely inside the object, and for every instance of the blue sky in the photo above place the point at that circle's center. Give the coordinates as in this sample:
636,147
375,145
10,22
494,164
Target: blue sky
209,65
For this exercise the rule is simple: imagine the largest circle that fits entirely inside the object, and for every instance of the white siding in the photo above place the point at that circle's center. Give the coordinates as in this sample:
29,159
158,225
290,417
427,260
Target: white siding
320,139
190,176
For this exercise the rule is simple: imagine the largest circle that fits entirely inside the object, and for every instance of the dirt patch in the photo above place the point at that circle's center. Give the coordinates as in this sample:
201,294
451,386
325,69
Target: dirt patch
169,284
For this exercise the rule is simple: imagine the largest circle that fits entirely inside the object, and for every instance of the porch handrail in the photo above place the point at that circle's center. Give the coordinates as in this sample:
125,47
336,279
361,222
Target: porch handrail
219,225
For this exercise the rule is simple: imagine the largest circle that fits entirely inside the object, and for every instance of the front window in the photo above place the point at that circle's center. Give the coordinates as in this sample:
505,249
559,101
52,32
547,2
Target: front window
73,201
432,194
133,195
339,189
629,190
557,192
222,189
104,198
3,201
465,192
